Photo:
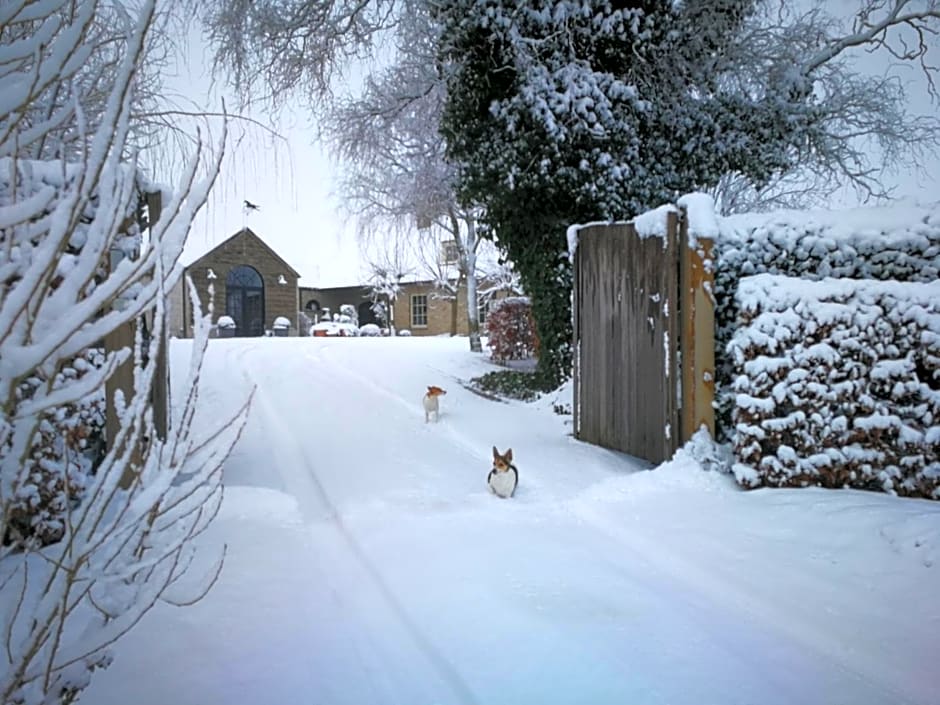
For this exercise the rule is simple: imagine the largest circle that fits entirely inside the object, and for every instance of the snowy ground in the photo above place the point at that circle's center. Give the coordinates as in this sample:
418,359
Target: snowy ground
368,565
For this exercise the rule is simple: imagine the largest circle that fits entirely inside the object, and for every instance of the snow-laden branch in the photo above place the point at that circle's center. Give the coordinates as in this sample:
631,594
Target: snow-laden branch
88,544
872,32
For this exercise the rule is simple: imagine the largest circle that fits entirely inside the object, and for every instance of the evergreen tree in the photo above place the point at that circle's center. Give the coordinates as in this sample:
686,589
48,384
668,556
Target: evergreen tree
563,111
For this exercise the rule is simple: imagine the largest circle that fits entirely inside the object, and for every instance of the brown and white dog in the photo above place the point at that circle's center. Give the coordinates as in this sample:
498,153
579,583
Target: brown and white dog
432,404
504,477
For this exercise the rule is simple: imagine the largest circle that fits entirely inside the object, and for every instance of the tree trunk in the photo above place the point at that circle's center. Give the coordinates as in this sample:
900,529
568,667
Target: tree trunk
473,306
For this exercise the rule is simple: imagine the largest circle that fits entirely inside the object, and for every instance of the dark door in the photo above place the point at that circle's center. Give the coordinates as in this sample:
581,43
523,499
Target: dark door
366,314
244,300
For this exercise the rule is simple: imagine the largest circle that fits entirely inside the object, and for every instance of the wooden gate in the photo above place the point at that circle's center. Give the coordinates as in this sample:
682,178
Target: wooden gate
639,307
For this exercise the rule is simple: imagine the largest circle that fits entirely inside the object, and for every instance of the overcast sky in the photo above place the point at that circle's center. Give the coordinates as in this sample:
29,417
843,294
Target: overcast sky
293,182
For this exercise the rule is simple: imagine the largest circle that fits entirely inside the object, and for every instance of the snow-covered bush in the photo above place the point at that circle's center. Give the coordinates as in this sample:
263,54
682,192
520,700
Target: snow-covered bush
889,243
226,322
370,330
349,314
837,384
63,455
380,309
511,330
404,333
281,322
74,268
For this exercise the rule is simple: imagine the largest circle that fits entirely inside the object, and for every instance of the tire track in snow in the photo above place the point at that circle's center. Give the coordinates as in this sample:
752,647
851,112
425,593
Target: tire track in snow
291,452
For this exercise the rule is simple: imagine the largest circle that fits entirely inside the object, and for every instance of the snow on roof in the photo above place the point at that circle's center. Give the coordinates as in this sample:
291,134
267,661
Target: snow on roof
894,225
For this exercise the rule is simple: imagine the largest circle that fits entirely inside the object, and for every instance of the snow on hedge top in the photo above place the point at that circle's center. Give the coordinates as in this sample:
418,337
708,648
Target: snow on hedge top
496,304
826,298
889,242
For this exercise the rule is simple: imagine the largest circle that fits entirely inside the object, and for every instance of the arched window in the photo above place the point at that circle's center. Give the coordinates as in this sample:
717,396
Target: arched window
244,300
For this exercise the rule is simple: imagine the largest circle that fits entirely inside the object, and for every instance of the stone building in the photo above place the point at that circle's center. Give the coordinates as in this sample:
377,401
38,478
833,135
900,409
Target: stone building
317,303
253,285
419,308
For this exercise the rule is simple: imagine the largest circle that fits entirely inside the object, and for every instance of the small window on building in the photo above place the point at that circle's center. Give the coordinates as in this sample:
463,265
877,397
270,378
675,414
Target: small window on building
449,252
419,311
483,309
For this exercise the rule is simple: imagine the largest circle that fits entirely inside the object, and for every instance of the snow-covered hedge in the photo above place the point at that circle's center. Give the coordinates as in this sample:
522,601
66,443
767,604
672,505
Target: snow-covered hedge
63,455
837,384
890,243
511,328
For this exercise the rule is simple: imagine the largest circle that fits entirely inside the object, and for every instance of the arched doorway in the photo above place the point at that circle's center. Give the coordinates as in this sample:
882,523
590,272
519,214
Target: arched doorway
312,309
366,314
244,300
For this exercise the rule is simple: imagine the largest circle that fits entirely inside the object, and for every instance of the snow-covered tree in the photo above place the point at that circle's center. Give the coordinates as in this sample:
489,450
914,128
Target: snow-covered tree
395,172
388,262
561,112
498,277
87,546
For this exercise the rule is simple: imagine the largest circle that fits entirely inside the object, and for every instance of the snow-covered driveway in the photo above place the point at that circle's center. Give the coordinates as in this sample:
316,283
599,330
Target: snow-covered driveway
367,563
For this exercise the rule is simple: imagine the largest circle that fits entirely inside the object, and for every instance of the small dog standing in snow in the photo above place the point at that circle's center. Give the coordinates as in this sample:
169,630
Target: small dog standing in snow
504,477
432,404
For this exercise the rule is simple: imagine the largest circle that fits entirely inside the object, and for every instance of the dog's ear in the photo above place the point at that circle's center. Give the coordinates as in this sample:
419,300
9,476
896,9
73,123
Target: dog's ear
508,456
495,453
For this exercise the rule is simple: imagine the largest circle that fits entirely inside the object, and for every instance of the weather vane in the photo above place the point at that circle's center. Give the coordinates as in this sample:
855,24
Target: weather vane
249,207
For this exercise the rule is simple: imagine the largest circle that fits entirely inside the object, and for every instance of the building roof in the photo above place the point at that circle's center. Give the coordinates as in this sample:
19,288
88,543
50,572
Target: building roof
249,233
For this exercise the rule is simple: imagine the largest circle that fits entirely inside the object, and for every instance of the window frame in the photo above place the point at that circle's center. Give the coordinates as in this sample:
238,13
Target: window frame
483,310
415,309
450,253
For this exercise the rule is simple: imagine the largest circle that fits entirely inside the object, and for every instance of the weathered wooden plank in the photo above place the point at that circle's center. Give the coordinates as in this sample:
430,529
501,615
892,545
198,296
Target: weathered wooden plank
698,332
626,338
